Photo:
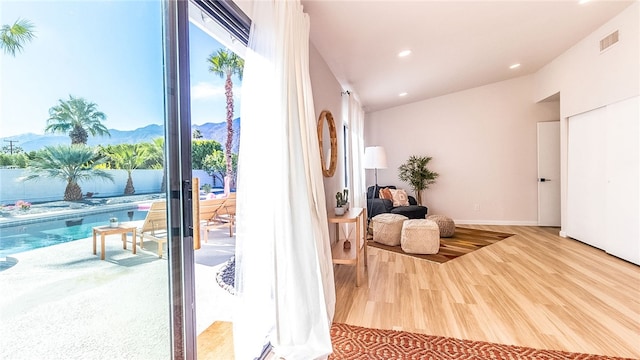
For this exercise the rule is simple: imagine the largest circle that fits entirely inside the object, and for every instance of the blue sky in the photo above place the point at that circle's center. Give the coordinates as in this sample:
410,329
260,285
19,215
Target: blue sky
110,53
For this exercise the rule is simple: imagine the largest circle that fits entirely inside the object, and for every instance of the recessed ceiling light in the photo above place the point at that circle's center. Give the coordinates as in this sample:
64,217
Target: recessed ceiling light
514,66
404,53
583,2
403,94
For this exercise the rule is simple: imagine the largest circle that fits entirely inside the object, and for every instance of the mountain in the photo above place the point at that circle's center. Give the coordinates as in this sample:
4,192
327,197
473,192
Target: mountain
210,131
218,132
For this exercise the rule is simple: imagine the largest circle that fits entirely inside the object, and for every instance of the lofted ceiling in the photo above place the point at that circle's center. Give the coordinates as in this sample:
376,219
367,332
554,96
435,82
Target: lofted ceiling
455,45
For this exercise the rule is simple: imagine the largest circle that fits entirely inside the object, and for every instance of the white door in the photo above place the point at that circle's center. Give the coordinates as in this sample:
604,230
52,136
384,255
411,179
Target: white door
549,173
586,177
622,189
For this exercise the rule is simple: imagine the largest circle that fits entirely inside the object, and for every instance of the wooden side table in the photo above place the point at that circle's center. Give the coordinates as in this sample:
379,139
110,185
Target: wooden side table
350,256
108,230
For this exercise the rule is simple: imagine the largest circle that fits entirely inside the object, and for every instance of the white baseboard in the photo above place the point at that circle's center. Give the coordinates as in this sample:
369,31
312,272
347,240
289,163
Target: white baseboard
563,234
496,222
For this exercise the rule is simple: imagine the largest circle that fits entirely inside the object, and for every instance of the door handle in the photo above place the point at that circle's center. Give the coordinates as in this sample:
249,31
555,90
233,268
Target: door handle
544,180
187,217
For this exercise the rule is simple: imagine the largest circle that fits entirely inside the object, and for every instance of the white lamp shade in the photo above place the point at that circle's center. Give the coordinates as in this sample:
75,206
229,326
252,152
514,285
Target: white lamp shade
375,158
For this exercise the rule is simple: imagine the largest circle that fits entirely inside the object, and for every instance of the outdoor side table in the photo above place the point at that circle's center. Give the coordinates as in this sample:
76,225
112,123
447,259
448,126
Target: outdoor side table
108,230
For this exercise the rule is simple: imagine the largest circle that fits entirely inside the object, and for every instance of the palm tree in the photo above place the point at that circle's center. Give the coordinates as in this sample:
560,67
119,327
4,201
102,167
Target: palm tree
78,118
226,64
70,163
128,157
155,158
13,37
155,153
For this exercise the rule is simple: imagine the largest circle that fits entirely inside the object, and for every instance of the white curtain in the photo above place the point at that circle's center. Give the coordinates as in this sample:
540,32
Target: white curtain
356,127
284,273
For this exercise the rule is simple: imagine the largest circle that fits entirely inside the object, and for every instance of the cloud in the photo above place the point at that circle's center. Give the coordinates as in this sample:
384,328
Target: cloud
205,90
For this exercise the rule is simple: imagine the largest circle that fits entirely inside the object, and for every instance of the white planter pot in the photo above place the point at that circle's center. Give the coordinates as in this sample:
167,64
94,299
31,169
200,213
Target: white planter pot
339,211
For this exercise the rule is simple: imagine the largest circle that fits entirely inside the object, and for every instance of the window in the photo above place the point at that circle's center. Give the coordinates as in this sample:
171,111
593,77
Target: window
346,150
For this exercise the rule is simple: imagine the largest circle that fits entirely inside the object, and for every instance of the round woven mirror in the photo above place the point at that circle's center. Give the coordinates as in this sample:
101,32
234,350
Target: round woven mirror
327,127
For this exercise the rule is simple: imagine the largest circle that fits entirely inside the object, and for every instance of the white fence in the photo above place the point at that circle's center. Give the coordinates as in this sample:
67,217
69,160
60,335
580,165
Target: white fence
206,178
13,189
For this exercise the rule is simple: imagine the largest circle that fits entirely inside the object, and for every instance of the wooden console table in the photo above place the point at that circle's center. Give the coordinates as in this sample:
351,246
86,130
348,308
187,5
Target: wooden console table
351,256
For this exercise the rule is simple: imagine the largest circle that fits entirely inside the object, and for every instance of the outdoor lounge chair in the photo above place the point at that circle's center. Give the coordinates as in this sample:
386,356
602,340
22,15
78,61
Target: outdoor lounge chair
227,214
154,227
209,212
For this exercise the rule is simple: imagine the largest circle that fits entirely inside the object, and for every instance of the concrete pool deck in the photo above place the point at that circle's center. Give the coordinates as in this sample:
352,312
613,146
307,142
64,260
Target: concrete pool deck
63,302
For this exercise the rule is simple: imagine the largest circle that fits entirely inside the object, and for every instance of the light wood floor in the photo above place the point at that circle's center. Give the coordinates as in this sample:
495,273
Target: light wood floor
216,342
533,289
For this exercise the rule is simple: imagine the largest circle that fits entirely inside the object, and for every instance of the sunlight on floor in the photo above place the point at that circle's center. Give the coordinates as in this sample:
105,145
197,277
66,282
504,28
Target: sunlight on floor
212,302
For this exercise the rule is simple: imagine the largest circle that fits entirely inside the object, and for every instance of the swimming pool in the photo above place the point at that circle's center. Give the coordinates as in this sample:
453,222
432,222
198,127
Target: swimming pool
20,238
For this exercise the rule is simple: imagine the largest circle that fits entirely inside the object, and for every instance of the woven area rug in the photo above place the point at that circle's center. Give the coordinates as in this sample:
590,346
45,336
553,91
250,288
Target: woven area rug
463,242
354,342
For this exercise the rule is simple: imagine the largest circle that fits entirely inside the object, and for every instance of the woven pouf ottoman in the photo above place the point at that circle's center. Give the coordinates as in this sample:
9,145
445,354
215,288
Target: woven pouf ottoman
420,236
445,224
387,228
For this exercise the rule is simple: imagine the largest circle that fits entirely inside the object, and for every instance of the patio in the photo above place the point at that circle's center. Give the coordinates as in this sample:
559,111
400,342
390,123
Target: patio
116,308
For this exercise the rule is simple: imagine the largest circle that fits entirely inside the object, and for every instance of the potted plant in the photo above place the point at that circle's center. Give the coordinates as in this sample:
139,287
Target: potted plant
113,222
340,202
23,205
415,172
345,197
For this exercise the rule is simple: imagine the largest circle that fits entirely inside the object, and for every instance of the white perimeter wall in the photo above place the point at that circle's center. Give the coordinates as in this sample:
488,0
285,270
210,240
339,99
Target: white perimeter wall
12,189
483,144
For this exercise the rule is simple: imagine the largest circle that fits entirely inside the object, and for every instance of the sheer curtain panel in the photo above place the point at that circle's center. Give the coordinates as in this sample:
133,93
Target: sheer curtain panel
284,273
356,125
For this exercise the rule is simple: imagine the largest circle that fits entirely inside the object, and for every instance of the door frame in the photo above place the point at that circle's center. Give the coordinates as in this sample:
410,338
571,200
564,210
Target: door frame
178,175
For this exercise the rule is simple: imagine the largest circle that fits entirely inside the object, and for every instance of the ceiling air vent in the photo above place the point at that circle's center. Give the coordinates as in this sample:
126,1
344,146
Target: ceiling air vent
609,40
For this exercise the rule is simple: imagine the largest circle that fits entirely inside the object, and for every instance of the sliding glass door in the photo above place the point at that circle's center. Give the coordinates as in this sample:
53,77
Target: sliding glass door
96,254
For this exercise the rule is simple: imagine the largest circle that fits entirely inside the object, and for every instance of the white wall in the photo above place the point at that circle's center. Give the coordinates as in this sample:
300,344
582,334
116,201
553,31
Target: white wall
206,178
483,144
587,79
327,96
12,189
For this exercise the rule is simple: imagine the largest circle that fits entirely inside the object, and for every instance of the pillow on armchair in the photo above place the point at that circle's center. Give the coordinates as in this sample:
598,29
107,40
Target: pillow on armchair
385,193
373,192
400,198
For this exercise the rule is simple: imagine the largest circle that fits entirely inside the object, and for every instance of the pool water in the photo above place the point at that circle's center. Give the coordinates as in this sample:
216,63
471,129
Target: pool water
17,239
